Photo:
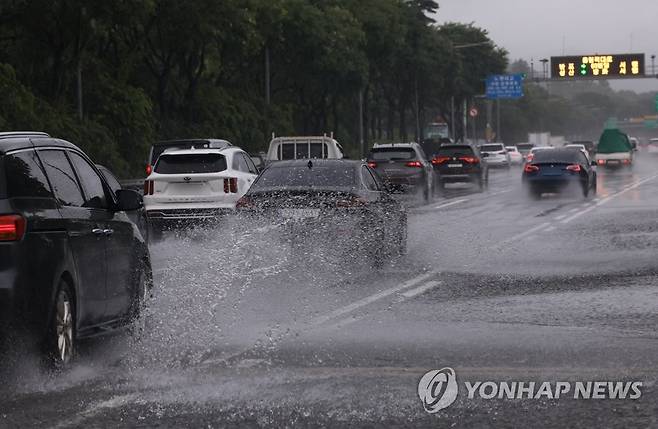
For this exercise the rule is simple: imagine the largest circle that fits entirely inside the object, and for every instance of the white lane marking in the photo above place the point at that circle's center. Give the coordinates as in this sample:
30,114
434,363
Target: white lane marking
499,192
452,203
608,198
525,233
420,289
403,296
573,210
550,228
370,299
560,217
97,408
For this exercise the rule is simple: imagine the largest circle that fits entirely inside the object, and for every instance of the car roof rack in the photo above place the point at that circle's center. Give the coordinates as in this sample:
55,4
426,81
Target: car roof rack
14,134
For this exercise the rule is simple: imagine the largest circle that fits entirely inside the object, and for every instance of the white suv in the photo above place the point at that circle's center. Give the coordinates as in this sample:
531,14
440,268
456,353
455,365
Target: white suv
196,184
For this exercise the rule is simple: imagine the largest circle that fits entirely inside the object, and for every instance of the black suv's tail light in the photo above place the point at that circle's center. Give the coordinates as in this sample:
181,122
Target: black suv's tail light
440,160
12,227
469,159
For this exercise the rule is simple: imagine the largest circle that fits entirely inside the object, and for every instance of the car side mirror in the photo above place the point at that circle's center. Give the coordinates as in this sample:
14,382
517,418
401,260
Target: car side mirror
128,200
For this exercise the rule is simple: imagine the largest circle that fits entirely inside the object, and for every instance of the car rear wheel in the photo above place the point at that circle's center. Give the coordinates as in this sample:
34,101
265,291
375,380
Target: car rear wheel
143,292
60,342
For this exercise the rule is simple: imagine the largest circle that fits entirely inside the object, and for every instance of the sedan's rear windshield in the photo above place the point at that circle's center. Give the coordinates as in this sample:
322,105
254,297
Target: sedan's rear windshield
557,156
455,151
302,176
190,163
491,147
392,154
524,146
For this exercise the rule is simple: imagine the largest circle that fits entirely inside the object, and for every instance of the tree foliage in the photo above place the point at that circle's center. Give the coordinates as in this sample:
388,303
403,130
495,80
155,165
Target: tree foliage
154,69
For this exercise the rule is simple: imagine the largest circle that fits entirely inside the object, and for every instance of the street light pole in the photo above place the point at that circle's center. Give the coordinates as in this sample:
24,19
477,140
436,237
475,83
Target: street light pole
653,65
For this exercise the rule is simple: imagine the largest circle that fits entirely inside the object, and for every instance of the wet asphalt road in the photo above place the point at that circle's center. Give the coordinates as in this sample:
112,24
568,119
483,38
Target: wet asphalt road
494,285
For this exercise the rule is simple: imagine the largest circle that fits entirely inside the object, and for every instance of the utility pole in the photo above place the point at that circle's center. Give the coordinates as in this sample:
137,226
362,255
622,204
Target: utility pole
417,109
452,118
361,141
499,136
267,74
465,120
79,79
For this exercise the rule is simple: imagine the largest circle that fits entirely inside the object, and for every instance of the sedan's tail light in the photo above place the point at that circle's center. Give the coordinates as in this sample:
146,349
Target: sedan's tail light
529,168
231,185
574,167
245,203
148,187
626,161
12,227
601,162
351,202
469,159
440,160
416,164
372,164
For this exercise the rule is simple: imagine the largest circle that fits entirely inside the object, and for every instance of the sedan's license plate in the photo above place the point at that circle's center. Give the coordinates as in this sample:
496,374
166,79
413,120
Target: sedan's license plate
454,165
613,161
299,213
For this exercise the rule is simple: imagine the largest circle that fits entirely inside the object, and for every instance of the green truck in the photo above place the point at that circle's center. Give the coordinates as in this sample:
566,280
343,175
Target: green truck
614,149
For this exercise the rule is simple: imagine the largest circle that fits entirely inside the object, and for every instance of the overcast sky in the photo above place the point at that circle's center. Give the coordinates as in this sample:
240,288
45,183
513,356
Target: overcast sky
544,28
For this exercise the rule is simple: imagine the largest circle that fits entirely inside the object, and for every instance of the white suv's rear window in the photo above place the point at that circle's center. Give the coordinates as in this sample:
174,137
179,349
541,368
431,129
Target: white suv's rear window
190,163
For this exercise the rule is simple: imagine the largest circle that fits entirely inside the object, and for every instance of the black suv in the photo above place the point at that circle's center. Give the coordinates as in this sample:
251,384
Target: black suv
460,163
72,264
403,167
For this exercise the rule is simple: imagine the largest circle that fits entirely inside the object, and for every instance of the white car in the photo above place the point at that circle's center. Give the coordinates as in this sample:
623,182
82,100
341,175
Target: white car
534,150
580,147
495,155
196,184
652,147
514,155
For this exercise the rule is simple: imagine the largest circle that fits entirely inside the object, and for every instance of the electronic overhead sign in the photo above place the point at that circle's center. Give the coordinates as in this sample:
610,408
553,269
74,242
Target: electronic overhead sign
597,66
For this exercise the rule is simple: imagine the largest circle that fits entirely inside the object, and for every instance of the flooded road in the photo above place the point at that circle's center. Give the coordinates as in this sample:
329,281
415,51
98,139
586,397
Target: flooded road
242,332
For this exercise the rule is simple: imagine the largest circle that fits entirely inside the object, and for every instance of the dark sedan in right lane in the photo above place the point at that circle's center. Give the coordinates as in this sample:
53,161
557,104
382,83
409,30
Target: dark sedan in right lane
552,171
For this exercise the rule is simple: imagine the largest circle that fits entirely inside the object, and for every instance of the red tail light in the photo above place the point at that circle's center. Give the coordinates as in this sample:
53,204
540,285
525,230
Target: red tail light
626,161
529,168
244,203
231,185
12,227
416,164
372,164
601,162
351,202
469,159
529,157
149,169
574,167
440,160
148,187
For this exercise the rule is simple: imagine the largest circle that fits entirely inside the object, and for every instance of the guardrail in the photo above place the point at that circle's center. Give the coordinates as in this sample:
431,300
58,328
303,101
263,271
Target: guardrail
134,184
